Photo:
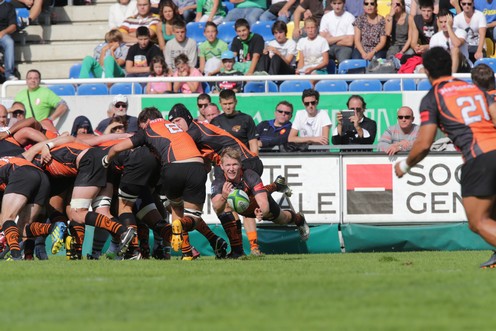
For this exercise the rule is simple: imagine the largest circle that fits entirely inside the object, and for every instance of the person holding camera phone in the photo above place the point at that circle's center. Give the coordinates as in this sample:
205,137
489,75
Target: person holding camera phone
355,129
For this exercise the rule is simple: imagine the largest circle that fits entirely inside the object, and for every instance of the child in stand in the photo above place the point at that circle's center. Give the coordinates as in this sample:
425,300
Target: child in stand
210,50
229,68
158,68
313,51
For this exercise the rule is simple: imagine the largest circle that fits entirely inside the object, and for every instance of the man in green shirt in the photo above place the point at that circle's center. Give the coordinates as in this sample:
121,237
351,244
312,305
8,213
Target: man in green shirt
250,10
40,102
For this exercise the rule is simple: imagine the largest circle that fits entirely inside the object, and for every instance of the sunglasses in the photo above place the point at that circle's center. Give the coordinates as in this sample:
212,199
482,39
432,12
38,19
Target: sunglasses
120,105
283,112
308,103
356,108
407,117
16,113
369,3
466,3
202,105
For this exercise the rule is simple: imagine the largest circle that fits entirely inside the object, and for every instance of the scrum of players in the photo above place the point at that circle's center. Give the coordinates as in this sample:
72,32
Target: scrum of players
125,185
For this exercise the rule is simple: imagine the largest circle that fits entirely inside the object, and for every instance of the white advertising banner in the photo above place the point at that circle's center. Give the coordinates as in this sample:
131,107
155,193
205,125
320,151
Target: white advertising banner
430,192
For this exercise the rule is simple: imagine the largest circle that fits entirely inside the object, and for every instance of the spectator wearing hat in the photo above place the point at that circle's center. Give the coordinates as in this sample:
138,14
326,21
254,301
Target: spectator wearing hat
81,125
120,104
229,68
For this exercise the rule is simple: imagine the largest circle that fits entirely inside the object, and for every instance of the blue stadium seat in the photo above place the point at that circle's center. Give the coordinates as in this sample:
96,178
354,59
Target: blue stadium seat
395,85
226,32
424,85
331,86
491,62
294,86
228,6
263,28
259,87
126,88
364,85
61,90
92,89
352,67
75,70
195,30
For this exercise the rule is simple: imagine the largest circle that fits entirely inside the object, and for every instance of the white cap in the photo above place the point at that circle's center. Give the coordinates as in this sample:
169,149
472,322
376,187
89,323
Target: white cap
119,98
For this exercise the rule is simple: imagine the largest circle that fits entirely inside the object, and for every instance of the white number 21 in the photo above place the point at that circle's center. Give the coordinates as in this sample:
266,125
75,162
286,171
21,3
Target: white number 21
469,110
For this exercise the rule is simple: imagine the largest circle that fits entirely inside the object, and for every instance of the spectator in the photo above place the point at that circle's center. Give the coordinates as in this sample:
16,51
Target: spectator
17,112
474,23
399,137
250,10
311,125
140,55
398,31
488,8
279,54
370,33
202,101
453,40
144,17
412,7
180,45
109,58
363,130
183,69
211,49
210,11
118,124
337,28
44,105
483,77
211,112
423,27
247,46
120,104
119,11
168,15
8,25
158,68
306,9
313,51
229,68
81,125
280,10
187,9
275,132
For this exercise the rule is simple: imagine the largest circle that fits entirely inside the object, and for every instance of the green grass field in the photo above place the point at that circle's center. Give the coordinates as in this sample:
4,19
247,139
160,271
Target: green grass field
352,291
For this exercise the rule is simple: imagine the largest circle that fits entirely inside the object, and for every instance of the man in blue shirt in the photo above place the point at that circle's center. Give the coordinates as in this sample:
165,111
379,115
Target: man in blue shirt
275,132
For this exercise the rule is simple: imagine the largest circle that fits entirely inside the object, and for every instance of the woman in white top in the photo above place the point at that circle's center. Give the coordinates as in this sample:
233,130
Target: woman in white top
120,11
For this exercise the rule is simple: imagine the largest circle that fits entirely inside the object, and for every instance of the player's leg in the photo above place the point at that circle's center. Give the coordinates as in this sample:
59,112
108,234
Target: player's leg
12,203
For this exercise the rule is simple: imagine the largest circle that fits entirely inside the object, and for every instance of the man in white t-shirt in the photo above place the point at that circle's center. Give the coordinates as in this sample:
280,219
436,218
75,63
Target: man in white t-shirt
453,40
337,28
311,125
474,22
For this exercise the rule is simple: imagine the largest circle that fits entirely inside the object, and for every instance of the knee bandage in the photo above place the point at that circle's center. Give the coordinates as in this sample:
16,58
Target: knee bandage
101,201
80,203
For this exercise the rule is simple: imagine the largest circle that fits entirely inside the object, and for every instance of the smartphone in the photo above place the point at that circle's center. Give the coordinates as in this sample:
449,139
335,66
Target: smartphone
347,125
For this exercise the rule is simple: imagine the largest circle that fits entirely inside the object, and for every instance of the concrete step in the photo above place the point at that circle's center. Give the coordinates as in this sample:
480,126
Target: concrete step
48,69
75,14
58,51
64,32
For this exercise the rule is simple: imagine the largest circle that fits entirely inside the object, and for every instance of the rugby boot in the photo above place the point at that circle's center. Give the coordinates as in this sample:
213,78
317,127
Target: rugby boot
220,248
303,229
126,238
282,186
57,236
491,263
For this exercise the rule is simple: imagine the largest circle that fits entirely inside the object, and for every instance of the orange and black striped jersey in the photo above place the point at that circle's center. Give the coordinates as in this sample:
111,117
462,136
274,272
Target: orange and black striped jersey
63,163
9,147
167,141
211,140
8,164
461,110
118,162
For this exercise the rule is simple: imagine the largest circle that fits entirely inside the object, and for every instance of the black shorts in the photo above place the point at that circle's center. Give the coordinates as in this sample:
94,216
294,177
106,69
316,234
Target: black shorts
91,171
186,180
30,182
478,178
254,164
140,167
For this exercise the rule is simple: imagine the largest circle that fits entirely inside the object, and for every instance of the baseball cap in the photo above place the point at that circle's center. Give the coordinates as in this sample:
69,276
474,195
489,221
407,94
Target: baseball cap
227,55
179,110
119,98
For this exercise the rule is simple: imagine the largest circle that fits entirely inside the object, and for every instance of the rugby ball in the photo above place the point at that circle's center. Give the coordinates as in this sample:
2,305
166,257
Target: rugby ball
238,200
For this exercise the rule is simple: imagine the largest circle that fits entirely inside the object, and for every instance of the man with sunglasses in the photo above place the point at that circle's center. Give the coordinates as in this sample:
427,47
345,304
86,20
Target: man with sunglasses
311,125
474,22
275,132
202,101
399,137
120,105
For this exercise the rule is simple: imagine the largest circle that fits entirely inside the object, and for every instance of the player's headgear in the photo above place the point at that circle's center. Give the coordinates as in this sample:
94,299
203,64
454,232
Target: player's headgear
179,110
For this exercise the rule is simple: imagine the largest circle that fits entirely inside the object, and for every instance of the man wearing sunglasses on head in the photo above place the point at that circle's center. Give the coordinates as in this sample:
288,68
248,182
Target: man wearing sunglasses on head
399,137
275,132
311,125
120,105
362,130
